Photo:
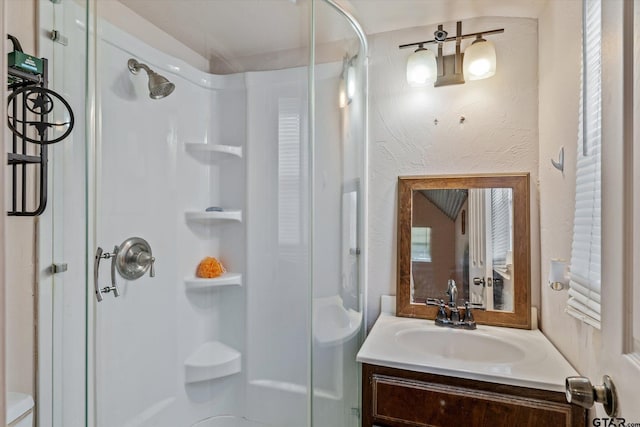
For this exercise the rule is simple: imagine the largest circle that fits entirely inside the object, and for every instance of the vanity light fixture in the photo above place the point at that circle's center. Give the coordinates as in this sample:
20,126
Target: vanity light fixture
422,68
480,59
478,62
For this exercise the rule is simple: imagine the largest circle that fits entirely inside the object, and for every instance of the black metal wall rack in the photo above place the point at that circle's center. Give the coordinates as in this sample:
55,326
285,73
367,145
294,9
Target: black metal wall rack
25,156
30,105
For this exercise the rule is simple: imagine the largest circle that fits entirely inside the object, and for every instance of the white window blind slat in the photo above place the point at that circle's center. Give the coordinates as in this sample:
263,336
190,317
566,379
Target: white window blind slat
585,288
289,172
584,285
578,311
500,225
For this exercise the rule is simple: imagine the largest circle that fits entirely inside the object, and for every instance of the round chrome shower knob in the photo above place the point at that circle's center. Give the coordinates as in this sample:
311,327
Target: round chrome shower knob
134,258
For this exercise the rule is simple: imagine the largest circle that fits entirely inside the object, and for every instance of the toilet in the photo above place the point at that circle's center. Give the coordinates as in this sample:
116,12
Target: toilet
19,410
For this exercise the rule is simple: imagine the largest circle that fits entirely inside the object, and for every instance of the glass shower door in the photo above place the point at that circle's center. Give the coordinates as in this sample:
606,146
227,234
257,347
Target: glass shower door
278,157
162,346
175,349
339,151
62,295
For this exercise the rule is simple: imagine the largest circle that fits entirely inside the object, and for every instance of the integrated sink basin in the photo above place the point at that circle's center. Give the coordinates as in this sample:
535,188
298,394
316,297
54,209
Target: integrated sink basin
501,355
465,346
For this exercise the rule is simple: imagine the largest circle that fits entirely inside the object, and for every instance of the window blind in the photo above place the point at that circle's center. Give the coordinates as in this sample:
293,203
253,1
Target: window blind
289,172
500,225
584,285
421,244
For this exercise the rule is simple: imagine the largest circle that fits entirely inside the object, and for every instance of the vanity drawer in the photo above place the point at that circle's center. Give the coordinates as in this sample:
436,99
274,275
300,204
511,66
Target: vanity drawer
394,401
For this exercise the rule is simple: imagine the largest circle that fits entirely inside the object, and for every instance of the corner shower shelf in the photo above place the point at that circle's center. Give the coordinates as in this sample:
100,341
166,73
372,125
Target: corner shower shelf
210,361
227,279
202,216
214,148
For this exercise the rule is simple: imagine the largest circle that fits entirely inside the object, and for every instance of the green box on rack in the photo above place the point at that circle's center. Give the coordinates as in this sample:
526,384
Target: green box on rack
22,61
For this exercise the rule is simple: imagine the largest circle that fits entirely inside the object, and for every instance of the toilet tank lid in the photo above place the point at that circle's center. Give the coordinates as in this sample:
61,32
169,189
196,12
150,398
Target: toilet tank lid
17,405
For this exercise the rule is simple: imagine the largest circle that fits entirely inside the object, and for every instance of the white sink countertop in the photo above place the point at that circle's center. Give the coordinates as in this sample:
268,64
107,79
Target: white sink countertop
516,357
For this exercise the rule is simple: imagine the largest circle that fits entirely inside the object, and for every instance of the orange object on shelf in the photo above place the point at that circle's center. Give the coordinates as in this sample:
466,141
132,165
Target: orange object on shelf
209,268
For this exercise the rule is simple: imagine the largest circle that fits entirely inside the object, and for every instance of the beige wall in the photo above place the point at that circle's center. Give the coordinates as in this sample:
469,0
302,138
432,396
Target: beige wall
559,71
20,244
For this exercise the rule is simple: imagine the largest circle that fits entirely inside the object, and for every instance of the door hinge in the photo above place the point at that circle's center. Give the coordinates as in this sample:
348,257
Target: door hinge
57,37
58,268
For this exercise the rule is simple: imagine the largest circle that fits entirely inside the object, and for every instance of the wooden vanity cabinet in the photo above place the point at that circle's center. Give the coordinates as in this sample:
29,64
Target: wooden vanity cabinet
398,398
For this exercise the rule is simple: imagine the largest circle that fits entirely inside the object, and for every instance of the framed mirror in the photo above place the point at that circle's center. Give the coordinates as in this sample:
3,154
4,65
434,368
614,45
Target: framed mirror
474,230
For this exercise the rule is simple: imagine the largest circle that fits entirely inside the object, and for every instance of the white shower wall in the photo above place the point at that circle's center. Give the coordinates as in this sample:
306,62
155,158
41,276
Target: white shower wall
146,179
280,248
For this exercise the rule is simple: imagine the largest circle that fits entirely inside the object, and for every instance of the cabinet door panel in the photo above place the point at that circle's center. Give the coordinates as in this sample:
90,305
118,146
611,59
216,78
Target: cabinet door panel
416,403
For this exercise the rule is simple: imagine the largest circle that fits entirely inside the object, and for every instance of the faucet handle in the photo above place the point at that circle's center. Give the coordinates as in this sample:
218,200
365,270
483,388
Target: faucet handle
152,270
468,315
455,314
442,313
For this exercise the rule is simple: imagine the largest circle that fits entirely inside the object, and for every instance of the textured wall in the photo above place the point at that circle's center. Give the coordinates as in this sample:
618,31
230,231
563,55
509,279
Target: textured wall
560,92
500,133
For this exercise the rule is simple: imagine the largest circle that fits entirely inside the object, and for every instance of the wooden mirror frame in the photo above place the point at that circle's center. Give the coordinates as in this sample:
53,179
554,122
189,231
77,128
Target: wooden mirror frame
519,183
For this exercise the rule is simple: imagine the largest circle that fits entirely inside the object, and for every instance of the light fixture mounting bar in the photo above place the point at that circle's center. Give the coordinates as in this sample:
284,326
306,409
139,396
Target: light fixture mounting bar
453,38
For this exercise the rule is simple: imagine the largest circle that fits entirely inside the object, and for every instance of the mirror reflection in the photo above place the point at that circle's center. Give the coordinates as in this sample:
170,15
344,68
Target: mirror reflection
465,235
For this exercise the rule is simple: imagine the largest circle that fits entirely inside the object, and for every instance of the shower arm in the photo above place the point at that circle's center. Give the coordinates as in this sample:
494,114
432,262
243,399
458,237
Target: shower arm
135,66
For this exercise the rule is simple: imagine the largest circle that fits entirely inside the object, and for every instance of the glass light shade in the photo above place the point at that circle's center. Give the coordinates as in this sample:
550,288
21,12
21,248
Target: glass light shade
422,68
479,60
342,94
351,82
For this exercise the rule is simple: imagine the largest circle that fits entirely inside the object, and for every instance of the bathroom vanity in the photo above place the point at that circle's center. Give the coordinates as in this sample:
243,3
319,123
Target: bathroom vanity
417,374
478,358
395,397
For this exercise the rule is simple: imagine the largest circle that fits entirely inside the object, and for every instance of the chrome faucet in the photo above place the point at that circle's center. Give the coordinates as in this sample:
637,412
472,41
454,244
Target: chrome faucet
453,319
452,291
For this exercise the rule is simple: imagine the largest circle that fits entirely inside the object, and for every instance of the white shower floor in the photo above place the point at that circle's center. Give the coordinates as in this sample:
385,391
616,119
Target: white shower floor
228,421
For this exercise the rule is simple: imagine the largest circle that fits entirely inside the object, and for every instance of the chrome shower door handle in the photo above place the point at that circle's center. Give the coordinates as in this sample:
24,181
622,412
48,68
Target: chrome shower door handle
100,255
131,259
96,268
114,285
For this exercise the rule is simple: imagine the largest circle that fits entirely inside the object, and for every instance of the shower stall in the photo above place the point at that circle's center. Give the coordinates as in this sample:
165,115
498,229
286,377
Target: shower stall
227,129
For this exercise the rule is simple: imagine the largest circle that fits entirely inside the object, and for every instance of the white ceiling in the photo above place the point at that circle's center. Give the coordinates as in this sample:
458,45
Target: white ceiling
229,29
377,16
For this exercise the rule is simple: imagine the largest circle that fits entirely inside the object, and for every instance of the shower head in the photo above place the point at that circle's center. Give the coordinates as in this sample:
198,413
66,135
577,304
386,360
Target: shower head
159,86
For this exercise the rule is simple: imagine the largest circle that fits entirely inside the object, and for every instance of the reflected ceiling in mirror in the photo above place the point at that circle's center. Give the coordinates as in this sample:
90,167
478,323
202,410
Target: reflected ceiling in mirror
473,230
